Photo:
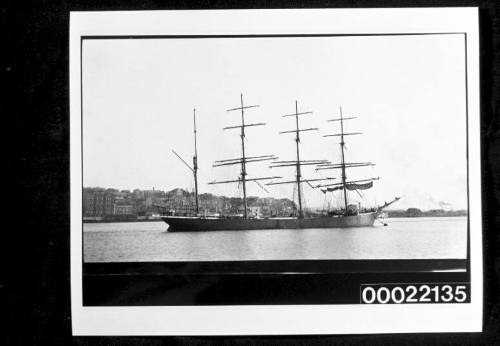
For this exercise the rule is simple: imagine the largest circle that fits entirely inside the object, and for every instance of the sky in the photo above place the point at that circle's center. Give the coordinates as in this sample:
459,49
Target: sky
407,92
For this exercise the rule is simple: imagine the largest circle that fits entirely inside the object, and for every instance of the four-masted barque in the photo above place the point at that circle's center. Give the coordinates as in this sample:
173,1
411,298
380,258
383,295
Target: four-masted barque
350,215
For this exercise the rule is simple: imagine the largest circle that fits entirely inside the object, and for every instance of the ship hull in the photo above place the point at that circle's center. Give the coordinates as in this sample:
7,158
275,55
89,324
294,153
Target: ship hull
200,224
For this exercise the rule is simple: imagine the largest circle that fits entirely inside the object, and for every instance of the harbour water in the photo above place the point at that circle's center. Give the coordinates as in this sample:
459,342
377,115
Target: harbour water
403,238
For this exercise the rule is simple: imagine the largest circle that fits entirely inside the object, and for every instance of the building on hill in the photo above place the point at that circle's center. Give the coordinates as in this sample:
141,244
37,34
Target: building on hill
178,202
255,211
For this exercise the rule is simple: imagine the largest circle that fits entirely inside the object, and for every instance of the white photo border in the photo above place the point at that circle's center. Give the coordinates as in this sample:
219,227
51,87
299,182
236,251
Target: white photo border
277,319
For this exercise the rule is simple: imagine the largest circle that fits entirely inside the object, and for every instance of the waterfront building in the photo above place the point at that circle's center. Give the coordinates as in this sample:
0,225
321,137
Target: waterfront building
97,202
123,209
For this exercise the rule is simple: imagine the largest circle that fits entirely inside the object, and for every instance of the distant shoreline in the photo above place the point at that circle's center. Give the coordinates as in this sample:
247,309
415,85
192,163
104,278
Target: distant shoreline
422,216
415,212
159,219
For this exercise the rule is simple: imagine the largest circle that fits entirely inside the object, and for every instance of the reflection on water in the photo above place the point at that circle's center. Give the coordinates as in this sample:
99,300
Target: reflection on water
405,238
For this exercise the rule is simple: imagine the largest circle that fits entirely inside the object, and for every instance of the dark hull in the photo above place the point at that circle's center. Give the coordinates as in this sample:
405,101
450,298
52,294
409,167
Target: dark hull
196,224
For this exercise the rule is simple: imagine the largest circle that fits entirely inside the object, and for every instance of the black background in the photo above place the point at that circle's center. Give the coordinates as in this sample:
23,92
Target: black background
34,75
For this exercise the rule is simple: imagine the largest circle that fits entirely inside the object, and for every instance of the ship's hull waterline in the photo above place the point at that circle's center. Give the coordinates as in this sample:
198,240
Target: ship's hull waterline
200,224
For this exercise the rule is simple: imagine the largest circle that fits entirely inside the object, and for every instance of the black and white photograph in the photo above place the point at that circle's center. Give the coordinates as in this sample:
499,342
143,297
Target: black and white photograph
275,172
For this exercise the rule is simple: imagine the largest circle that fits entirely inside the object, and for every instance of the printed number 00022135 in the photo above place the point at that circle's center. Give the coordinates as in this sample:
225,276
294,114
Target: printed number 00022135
415,293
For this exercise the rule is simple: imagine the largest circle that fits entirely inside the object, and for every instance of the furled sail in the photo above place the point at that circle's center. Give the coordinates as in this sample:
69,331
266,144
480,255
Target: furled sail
331,189
350,187
365,186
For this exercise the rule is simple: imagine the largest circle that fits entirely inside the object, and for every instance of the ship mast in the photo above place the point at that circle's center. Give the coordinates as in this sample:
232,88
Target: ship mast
342,144
243,163
298,162
344,184
195,163
243,160
193,169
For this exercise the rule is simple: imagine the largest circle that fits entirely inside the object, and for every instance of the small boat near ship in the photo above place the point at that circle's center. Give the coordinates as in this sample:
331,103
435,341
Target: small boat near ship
350,215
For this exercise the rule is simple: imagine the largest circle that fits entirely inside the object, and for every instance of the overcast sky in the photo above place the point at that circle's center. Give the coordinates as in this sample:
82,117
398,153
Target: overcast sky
407,91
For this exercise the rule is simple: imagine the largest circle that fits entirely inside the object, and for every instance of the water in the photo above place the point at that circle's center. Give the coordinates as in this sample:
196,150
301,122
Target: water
403,238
